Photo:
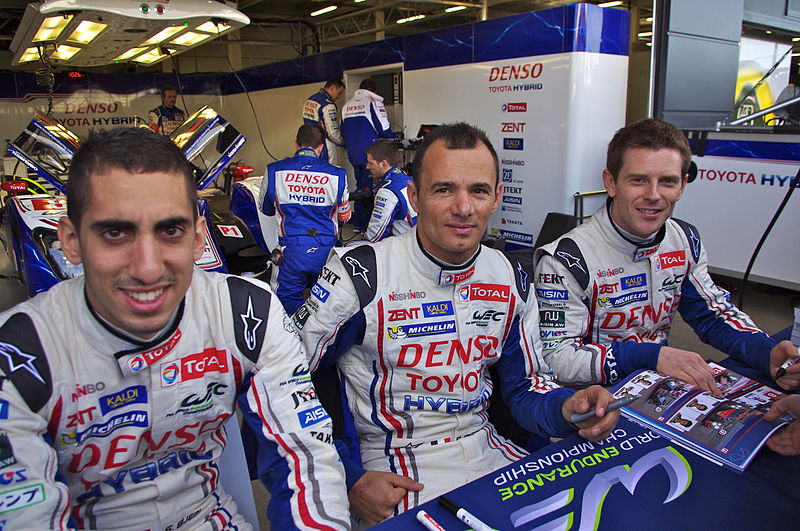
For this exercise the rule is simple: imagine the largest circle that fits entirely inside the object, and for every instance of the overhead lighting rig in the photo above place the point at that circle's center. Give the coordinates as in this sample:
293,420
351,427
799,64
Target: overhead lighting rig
83,33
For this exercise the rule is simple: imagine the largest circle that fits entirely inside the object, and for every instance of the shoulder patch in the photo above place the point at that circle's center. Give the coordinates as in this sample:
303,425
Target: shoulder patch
250,305
568,253
692,235
361,265
522,276
23,361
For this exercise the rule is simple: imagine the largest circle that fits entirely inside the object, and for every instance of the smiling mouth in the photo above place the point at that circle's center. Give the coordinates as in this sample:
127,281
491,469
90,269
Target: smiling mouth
145,296
649,210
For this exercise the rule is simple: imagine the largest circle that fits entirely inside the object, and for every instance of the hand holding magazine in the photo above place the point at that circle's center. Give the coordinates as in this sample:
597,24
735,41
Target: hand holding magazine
727,430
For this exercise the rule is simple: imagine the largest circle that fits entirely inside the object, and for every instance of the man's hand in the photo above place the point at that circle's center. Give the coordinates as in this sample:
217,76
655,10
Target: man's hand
687,366
375,495
599,426
785,441
779,354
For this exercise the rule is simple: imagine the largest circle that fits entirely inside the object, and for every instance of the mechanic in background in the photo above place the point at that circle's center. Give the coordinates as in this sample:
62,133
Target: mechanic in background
393,214
363,122
165,118
116,385
310,198
320,108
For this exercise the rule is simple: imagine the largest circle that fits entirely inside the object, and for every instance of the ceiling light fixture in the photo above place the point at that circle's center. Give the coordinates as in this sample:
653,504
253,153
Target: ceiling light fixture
610,4
322,11
410,19
454,9
84,33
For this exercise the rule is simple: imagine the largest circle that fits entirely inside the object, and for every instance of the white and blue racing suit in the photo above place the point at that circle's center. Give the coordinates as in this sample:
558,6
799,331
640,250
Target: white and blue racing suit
413,340
364,121
101,430
393,214
164,120
310,198
607,303
320,109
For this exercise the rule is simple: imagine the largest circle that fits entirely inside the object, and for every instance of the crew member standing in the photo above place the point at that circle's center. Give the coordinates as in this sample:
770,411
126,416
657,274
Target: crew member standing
393,214
320,108
165,118
364,121
309,196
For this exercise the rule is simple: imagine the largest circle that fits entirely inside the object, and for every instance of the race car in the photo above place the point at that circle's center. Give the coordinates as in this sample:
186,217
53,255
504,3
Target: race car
46,147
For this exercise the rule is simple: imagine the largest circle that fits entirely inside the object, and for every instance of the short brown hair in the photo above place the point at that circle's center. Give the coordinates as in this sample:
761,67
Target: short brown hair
650,133
310,135
459,135
384,149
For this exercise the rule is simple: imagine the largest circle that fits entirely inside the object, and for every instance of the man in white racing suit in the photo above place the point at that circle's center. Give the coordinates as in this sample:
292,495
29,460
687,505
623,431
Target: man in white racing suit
320,108
392,214
115,386
609,289
414,322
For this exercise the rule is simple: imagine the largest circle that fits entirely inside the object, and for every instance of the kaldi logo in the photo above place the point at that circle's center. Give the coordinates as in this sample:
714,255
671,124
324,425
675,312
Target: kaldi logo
515,72
515,107
488,292
673,259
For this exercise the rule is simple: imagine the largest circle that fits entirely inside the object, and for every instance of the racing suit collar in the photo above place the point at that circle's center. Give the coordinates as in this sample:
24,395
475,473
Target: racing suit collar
440,272
391,172
305,152
637,250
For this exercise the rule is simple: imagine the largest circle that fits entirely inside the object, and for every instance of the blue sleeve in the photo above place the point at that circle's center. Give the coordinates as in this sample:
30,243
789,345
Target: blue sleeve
376,120
631,356
707,309
537,412
268,205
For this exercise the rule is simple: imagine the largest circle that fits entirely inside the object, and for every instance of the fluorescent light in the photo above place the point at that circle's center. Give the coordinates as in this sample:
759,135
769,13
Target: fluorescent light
645,34
323,11
358,1
31,54
410,19
152,56
51,28
610,4
796,39
454,9
130,53
649,43
768,32
86,31
65,52
163,35
210,27
190,38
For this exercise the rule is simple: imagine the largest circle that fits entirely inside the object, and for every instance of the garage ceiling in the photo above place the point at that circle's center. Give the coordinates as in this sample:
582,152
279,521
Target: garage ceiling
285,29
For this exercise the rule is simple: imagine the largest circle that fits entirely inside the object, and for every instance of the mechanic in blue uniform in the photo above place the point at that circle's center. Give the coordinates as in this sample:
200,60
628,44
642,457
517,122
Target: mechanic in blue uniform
165,118
364,121
320,108
393,213
309,196
609,289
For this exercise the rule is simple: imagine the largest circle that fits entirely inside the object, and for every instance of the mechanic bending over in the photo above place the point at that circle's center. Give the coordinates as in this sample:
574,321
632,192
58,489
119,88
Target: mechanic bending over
392,214
610,288
320,108
309,196
413,323
115,386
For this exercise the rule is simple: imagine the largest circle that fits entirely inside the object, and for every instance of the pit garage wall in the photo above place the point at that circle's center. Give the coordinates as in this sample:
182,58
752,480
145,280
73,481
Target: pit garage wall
742,179
549,87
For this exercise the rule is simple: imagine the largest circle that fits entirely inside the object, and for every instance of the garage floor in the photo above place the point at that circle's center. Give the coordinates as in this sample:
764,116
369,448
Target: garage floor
770,308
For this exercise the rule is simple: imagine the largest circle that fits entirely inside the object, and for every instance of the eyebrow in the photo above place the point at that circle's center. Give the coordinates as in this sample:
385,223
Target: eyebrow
122,225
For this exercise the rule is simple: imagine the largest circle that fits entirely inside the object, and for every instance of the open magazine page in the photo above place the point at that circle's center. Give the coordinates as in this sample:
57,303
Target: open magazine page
728,430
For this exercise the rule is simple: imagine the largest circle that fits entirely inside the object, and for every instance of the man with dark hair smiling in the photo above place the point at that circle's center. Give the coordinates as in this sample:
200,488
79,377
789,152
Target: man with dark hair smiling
415,321
115,386
610,287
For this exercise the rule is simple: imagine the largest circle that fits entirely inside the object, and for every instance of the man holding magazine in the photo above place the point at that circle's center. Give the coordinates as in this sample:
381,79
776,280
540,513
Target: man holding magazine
608,289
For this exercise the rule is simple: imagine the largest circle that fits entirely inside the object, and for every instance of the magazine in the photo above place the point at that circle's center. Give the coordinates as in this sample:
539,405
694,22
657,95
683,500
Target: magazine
727,430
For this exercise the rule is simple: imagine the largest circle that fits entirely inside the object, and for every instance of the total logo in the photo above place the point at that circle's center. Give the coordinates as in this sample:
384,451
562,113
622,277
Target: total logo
194,366
148,357
515,107
673,259
484,292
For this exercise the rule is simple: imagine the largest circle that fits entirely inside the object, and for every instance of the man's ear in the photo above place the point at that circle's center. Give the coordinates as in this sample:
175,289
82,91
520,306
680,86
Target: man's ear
498,194
610,184
199,237
68,236
411,188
